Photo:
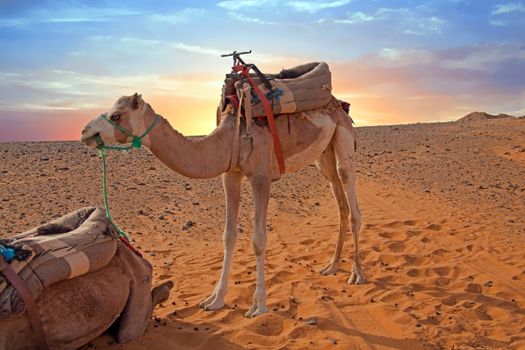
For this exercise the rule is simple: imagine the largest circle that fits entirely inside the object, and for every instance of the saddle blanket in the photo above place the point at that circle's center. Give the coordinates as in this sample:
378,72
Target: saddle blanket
70,246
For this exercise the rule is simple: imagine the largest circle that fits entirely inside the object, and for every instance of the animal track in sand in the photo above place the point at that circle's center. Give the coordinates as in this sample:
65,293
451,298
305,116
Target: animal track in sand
442,282
410,222
413,260
267,325
307,241
412,233
413,273
392,235
396,224
396,246
441,271
434,227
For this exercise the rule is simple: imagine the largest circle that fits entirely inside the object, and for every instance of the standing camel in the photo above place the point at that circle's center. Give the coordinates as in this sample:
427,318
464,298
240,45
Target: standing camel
324,135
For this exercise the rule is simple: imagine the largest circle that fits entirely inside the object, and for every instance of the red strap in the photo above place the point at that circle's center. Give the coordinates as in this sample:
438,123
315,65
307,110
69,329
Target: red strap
269,114
130,246
233,100
25,294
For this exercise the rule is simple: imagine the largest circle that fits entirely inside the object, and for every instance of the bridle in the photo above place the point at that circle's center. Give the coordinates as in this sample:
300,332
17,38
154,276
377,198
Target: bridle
102,147
136,140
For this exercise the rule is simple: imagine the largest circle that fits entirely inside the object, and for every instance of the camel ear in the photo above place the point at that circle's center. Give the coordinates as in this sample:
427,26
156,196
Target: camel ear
136,101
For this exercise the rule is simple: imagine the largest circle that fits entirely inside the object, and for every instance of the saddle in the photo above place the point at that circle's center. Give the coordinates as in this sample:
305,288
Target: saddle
297,89
70,246
262,96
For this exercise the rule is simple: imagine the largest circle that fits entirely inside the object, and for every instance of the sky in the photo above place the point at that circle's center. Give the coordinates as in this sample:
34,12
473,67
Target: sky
396,61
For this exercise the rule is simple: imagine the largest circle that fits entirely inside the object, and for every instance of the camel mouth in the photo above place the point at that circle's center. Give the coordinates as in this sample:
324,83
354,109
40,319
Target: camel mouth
90,140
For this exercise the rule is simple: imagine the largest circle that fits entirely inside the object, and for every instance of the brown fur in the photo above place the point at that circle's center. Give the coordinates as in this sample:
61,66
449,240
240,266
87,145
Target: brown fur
77,310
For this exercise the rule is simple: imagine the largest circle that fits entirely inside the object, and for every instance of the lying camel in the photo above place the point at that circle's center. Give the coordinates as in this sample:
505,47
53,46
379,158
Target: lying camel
75,311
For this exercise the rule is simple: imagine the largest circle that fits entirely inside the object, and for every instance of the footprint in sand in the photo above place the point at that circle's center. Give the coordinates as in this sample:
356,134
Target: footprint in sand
413,260
442,271
396,246
433,227
391,235
413,273
266,325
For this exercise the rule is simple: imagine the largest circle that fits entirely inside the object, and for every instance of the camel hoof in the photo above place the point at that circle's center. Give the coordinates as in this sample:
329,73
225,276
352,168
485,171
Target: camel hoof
213,302
329,269
216,305
356,278
254,313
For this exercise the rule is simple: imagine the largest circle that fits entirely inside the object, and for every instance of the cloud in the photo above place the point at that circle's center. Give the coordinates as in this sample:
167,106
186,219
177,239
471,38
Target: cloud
79,14
401,86
86,14
498,22
70,90
502,9
242,4
247,19
183,16
479,57
301,6
356,17
198,49
315,6
405,19
12,22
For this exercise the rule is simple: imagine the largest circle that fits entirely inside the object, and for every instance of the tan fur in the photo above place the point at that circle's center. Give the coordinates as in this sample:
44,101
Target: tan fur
324,135
77,310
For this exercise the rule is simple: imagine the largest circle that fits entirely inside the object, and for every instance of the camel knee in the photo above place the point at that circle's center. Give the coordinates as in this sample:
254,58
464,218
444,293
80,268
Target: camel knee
229,238
345,172
259,244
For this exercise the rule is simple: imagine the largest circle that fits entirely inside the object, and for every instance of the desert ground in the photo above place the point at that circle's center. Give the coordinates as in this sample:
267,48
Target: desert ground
442,241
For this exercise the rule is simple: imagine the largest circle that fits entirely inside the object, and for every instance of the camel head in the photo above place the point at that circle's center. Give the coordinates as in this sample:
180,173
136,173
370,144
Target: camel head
127,112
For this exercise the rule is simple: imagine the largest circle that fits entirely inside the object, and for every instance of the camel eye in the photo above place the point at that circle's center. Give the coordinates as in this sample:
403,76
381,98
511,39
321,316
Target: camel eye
115,117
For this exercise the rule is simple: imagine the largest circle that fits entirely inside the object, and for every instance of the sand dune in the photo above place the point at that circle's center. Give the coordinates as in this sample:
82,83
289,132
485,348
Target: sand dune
442,241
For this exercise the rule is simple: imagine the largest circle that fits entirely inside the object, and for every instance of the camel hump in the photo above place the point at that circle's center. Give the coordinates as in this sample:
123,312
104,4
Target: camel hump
70,246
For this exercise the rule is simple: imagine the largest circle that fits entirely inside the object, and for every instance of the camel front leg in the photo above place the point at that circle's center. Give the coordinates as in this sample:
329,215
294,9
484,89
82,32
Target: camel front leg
261,196
232,190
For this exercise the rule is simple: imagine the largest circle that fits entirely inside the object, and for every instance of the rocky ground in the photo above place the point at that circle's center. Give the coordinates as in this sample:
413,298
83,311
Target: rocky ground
442,241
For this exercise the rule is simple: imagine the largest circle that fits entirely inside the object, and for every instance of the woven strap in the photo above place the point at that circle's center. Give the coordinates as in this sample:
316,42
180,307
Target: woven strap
269,115
25,294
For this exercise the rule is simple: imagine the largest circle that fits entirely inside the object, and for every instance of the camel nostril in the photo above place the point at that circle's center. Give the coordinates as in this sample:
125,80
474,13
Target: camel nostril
84,131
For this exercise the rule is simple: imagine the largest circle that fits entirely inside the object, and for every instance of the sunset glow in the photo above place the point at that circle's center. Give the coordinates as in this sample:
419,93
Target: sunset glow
63,63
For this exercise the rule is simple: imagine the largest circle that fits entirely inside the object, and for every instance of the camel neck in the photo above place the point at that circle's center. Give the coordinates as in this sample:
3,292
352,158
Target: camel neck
195,157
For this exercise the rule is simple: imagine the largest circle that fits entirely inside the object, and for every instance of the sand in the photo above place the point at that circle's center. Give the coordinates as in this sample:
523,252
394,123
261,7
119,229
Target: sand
442,241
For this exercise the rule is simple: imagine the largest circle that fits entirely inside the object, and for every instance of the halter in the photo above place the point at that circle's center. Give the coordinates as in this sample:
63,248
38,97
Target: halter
135,143
102,147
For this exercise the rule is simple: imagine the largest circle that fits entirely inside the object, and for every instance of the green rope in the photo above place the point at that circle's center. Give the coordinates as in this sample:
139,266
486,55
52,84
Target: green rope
102,155
136,143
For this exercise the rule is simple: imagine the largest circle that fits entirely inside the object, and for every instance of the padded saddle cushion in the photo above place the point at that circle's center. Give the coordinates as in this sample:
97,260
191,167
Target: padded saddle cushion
298,89
70,246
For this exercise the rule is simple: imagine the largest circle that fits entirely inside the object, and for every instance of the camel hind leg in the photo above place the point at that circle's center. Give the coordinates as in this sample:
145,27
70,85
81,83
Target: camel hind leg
327,166
344,149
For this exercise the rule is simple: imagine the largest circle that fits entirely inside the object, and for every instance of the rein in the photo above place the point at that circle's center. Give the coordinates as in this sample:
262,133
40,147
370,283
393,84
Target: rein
102,147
